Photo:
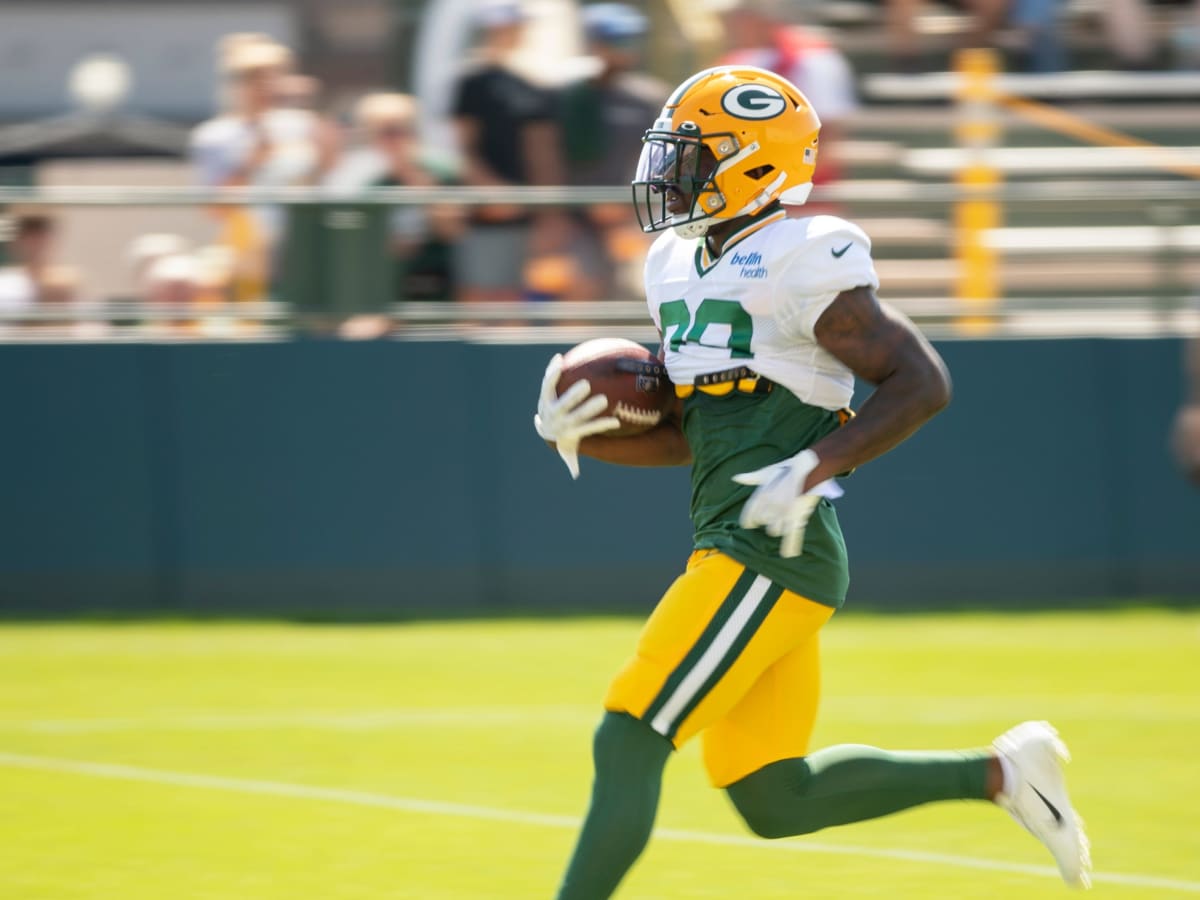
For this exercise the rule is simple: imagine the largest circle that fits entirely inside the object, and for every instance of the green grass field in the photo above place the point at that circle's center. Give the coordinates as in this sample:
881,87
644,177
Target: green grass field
451,760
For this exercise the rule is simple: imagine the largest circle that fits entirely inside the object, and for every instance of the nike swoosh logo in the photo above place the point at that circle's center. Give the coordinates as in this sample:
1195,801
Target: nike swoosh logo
837,254
1058,817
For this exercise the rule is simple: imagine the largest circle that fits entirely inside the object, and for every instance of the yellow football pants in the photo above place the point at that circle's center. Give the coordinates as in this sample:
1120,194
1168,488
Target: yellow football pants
729,653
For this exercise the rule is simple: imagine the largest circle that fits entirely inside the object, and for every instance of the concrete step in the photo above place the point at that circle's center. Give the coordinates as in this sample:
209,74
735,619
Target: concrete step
943,162
1106,276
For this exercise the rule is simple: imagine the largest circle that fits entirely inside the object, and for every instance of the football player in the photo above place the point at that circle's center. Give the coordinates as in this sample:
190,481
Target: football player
766,318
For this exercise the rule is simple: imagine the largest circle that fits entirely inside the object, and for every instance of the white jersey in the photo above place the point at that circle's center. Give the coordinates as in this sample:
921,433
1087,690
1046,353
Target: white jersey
222,146
756,304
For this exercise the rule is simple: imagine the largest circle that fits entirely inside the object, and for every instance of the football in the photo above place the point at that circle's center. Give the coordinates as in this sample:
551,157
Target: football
630,376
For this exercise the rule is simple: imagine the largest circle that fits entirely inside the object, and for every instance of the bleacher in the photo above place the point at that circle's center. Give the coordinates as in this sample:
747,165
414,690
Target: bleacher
1128,229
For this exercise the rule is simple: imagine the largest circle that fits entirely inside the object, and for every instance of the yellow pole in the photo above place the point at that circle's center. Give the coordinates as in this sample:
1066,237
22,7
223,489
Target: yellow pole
977,130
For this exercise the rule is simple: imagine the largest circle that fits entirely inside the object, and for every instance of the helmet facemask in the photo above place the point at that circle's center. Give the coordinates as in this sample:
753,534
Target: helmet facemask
675,185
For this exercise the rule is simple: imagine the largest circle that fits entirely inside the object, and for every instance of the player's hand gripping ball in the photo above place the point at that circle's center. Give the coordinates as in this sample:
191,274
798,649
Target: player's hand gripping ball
603,386
630,377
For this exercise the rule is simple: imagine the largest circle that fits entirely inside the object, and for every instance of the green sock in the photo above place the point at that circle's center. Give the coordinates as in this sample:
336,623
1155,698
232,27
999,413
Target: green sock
851,783
629,758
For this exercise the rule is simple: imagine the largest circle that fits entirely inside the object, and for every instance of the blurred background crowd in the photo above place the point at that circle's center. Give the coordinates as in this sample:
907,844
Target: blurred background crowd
274,250
466,99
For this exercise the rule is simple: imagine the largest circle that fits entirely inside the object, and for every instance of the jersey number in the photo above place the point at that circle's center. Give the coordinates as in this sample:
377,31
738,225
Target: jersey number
675,313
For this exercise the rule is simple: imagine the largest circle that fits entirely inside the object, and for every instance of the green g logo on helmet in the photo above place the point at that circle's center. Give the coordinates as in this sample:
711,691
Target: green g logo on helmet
753,101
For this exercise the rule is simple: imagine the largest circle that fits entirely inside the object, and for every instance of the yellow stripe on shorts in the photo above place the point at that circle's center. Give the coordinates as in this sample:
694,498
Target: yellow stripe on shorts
735,622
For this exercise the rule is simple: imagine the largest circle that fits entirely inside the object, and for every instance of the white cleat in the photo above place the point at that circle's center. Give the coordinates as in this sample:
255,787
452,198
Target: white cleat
1039,801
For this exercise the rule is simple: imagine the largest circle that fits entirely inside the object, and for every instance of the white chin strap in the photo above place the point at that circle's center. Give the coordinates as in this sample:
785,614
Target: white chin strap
763,197
796,196
697,228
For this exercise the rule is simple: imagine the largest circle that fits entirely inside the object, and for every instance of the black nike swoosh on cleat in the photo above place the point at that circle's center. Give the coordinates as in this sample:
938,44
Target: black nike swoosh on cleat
838,253
1058,817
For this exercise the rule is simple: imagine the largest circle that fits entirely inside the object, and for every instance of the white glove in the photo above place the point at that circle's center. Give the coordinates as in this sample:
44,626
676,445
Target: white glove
780,503
567,420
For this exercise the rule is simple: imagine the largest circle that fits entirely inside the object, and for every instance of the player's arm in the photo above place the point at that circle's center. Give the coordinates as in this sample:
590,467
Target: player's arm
575,422
662,445
882,347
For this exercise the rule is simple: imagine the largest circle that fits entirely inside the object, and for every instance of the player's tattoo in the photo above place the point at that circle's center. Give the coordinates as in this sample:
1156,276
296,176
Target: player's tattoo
885,349
861,333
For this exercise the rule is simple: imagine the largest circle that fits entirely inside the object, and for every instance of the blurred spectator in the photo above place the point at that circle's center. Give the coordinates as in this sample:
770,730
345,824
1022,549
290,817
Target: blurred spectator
303,92
603,118
1129,28
171,281
230,46
988,16
1186,432
257,142
903,46
1185,38
1130,33
33,278
168,274
759,34
214,274
296,91
423,237
1037,24
1036,19
148,249
1134,41
507,136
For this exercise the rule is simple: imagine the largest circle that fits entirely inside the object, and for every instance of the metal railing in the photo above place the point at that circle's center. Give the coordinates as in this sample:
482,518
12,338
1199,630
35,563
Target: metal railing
882,191
1065,236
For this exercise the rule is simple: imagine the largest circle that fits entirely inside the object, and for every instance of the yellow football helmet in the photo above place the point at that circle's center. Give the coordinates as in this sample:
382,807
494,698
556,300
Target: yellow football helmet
733,140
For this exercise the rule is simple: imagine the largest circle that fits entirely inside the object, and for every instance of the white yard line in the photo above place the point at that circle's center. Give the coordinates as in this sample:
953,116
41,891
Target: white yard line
521,817
359,720
875,709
